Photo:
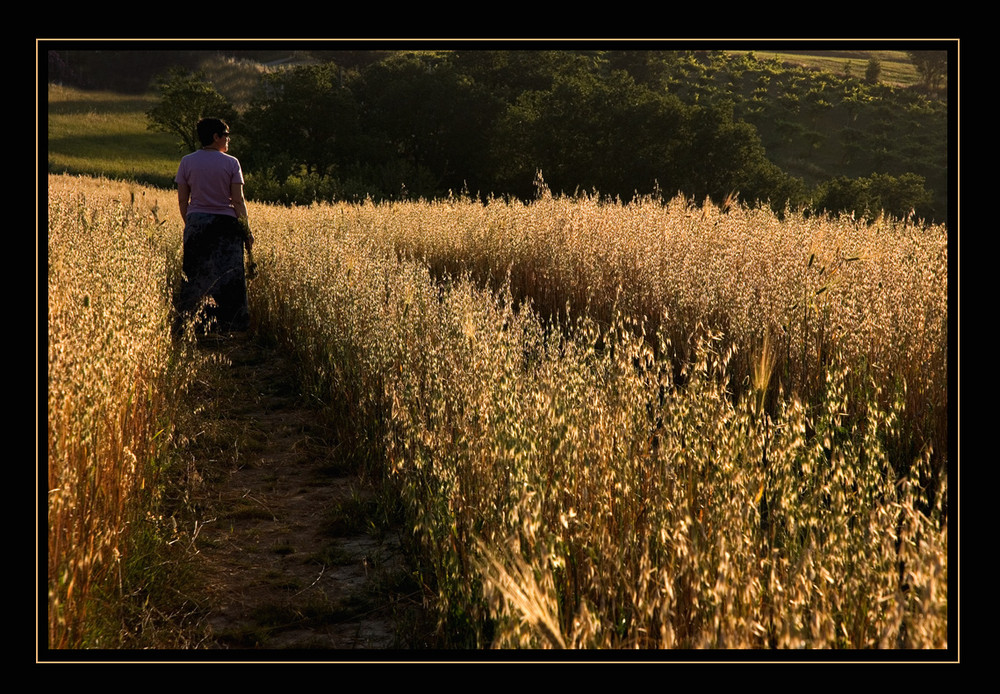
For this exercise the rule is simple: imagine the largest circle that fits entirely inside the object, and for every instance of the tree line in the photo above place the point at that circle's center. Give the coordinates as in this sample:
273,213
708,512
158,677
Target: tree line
618,123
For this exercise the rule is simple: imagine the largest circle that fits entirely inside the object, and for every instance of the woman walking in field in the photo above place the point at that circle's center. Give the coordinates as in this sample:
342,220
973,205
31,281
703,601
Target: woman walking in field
210,194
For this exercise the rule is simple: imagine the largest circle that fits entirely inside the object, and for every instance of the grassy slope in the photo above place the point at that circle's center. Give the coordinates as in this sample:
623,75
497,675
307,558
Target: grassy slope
102,133
897,70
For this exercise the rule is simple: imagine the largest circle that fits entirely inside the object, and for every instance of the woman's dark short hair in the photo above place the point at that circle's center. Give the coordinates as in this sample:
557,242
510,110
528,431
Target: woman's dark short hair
207,127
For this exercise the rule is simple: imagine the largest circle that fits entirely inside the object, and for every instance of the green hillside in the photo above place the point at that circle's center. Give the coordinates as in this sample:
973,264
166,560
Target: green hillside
896,67
105,134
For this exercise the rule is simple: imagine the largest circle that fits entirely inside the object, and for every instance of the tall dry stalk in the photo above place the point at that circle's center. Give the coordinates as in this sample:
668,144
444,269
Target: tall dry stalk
110,389
875,292
577,477
637,425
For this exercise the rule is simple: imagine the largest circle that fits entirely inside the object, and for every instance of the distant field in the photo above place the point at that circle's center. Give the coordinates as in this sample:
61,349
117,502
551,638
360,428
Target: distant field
104,133
897,70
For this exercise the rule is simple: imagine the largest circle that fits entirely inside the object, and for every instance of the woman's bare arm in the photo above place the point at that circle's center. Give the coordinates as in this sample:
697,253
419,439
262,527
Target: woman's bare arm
183,198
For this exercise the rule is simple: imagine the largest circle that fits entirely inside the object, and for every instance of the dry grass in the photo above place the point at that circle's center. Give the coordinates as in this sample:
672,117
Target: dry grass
635,425
773,500
112,382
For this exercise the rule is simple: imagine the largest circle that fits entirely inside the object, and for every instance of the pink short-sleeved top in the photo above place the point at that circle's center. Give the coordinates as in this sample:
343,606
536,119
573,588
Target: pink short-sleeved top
210,175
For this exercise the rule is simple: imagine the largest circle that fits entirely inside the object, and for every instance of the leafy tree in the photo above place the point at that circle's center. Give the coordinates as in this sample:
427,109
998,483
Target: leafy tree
873,71
561,130
867,197
591,132
931,65
185,98
900,196
303,119
421,114
508,74
611,134
723,156
651,68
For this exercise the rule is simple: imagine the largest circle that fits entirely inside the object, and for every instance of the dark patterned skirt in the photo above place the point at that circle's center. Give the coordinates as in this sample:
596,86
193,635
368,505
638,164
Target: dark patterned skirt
214,278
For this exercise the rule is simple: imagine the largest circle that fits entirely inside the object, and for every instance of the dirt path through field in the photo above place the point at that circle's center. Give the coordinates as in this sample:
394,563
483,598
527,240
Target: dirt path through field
286,555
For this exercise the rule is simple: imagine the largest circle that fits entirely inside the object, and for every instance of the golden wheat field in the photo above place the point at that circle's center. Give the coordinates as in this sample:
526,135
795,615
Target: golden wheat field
612,425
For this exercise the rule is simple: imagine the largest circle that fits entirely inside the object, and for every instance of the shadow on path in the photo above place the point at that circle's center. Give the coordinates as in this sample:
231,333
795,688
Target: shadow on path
288,552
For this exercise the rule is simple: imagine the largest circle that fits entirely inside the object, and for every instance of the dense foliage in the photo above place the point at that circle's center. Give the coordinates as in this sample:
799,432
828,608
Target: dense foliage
619,122
706,124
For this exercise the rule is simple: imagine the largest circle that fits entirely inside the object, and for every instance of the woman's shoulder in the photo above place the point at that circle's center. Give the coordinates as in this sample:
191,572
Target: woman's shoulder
230,159
210,155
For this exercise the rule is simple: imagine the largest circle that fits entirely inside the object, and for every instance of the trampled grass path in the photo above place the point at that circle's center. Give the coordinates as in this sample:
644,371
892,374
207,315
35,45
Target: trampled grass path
286,558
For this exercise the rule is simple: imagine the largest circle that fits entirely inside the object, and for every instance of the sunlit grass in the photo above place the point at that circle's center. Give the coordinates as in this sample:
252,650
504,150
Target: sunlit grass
896,68
609,425
106,134
113,380
638,425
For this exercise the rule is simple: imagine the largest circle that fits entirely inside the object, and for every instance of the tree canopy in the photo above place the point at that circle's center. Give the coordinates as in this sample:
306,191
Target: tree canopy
702,124
932,66
185,98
